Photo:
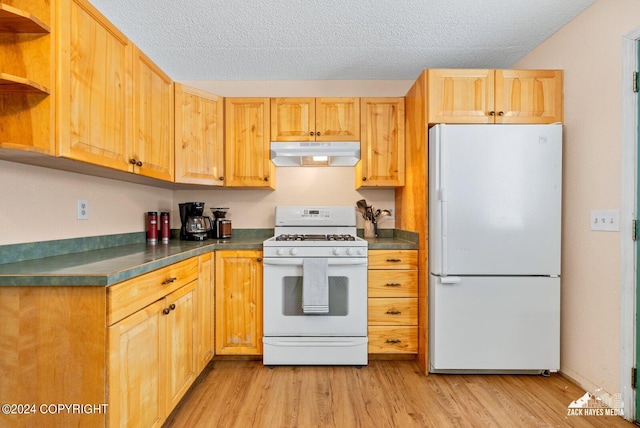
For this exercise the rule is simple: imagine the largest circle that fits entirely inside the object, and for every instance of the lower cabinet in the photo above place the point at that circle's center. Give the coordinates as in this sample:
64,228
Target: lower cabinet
152,352
239,302
393,301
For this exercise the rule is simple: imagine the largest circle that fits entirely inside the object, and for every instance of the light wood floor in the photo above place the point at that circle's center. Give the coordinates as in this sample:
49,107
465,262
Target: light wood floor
382,394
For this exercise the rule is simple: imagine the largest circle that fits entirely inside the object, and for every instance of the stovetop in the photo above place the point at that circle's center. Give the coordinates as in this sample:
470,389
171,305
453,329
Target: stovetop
315,237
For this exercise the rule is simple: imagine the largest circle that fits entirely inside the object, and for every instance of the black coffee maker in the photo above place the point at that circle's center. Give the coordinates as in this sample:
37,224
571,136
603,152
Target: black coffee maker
195,226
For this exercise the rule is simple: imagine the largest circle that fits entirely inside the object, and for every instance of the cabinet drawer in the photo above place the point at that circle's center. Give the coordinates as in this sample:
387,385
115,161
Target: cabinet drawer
129,296
393,283
393,311
393,259
393,340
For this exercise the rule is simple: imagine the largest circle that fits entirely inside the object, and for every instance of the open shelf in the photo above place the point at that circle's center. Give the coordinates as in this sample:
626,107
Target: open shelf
13,20
11,83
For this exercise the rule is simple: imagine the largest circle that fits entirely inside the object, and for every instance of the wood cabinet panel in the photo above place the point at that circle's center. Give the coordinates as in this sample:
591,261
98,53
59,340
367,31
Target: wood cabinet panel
129,296
460,96
199,141
494,96
293,119
393,311
152,120
382,144
137,364
393,340
247,161
54,350
181,334
393,259
529,96
238,302
393,283
337,119
94,66
205,301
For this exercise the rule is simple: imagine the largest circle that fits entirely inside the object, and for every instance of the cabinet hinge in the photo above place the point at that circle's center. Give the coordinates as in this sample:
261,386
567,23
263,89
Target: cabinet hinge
634,230
635,81
634,377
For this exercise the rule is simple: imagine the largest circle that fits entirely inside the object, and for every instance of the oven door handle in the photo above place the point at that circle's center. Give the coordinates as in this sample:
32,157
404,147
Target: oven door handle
330,262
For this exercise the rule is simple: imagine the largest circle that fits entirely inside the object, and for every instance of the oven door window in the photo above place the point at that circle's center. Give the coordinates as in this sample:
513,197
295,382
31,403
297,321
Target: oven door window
338,296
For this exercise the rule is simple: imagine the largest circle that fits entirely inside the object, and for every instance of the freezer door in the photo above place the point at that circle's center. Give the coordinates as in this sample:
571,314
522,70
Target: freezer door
495,199
494,324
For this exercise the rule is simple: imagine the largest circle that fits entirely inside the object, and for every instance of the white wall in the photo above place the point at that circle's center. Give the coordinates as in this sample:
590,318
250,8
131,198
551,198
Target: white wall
39,204
589,49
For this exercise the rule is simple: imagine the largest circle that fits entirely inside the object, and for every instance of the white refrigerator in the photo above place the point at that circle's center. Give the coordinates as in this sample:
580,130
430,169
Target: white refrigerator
494,248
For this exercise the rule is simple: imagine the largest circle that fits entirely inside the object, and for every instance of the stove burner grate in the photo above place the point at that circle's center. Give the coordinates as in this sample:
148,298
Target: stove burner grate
315,237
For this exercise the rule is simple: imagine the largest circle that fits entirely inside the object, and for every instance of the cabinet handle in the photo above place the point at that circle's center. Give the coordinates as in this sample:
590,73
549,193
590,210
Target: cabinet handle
139,163
132,161
169,281
266,179
500,113
394,312
259,259
166,311
221,178
172,306
393,341
492,113
318,134
393,284
394,260
311,133
364,178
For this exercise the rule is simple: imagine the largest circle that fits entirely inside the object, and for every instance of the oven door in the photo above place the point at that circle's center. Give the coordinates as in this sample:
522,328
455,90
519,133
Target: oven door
283,315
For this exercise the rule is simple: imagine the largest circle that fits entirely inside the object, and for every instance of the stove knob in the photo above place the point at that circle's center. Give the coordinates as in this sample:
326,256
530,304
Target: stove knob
349,251
280,251
361,251
293,251
337,251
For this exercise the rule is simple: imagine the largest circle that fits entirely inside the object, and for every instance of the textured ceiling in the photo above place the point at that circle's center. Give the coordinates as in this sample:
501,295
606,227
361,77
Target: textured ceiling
334,39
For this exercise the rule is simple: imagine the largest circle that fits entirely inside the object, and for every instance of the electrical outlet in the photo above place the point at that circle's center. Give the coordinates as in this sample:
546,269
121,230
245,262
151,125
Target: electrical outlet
83,209
605,220
391,216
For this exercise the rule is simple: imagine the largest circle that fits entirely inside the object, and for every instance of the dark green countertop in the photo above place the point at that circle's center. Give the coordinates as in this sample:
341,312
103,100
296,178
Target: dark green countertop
110,265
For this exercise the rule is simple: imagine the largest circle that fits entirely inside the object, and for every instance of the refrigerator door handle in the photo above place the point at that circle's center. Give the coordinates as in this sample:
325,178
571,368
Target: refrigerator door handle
443,207
450,280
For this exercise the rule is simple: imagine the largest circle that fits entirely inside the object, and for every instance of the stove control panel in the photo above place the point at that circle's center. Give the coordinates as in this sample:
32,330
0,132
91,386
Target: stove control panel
330,252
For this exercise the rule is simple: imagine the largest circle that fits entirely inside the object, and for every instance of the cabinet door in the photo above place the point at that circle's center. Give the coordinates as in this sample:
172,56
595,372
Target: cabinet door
382,144
152,119
460,96
337,119
247,162
238,302
180,343
528,96
293,119
199,141
205,300
137,369
94,86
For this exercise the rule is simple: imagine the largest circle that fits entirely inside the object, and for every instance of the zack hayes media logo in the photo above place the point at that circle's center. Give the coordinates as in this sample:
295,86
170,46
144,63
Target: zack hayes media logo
591,405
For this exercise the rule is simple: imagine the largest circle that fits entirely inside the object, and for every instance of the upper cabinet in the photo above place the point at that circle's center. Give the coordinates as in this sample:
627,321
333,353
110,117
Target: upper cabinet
94,120
153,119
494,96
382,145
199,144
315,119
247,162
26,76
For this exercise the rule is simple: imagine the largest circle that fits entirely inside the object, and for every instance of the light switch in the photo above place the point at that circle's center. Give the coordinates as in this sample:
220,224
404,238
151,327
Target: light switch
605,220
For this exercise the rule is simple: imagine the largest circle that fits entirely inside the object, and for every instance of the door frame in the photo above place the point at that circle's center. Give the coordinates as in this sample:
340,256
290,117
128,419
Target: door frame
628,208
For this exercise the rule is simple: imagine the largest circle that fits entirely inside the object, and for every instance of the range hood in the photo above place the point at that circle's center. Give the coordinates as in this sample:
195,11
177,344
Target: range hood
325,153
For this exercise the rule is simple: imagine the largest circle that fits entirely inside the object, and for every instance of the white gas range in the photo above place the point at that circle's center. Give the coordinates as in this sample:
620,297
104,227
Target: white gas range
315,288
